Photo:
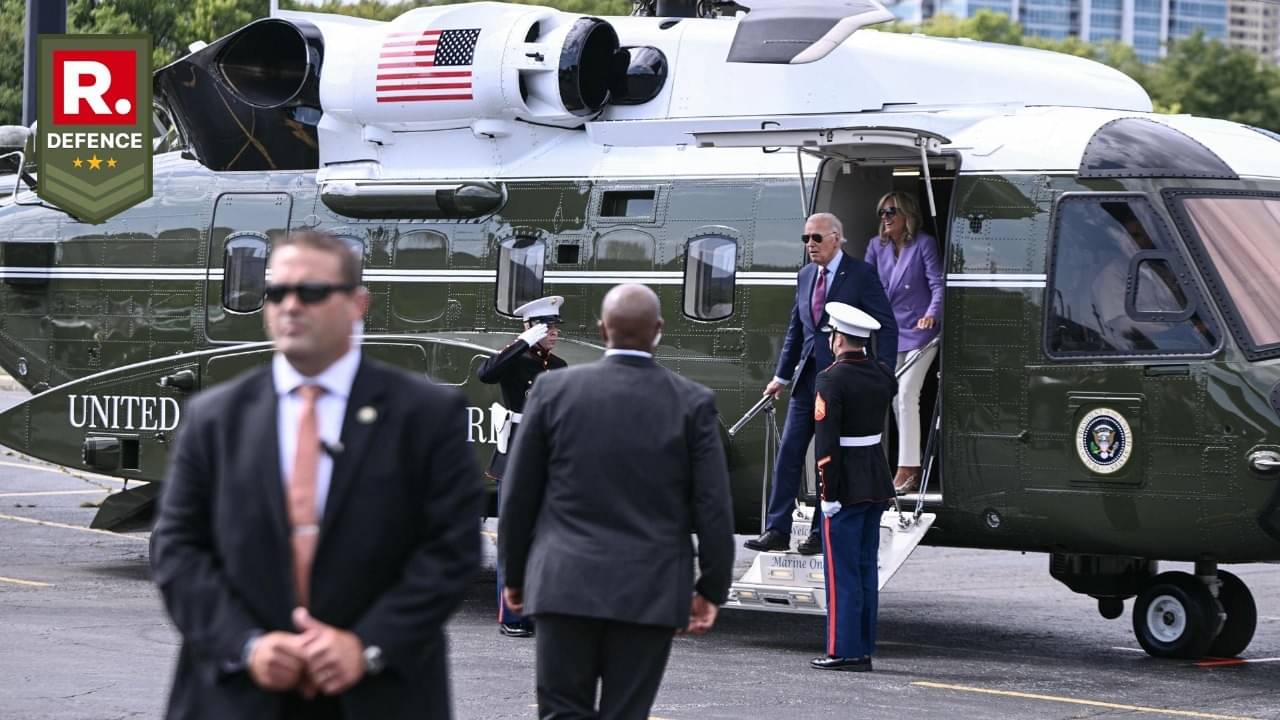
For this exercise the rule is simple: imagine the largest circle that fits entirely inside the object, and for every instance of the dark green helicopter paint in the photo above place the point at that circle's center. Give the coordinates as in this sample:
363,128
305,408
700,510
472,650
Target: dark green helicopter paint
1009,474
1010,412
62,330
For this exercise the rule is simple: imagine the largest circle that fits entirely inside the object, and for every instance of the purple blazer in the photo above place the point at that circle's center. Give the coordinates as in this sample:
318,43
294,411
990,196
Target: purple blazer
913,283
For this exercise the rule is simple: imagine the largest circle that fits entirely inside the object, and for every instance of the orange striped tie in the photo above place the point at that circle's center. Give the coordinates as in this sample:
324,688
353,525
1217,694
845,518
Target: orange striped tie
302,493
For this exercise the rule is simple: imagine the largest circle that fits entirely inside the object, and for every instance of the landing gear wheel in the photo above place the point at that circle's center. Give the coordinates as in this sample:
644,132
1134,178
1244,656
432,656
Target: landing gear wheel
1242,617
1175,616
1110,607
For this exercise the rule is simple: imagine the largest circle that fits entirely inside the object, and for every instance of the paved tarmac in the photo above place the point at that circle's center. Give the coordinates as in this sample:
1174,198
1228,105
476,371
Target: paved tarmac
964,634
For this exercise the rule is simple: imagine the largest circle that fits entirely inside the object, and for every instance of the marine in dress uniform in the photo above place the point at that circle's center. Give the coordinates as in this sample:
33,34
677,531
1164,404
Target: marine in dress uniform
514,369
853,395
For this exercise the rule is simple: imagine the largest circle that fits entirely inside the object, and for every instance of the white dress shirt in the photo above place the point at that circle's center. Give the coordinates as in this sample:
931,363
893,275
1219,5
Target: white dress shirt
331,408
625,351
830,272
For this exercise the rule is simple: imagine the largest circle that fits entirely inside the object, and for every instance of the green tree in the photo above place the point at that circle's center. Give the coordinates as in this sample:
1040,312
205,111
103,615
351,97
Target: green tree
367,9
1206,78
12,17
586,7
1198,76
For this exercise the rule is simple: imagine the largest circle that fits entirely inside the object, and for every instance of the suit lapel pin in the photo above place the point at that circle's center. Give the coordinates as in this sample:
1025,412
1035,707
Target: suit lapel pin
367,415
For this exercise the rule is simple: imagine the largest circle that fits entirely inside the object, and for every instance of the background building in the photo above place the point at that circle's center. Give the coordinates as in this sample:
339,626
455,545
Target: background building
1254,25
1146,25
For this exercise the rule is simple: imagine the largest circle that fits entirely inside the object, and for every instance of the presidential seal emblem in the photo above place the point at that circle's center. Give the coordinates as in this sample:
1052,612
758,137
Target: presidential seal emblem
1104,441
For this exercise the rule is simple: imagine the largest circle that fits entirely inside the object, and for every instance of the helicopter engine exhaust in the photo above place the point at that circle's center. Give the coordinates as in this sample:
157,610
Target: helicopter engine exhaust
267,87
273,63
481,65
249,100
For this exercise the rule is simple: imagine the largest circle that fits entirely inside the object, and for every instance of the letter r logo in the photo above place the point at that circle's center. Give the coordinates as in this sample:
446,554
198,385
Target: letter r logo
95,87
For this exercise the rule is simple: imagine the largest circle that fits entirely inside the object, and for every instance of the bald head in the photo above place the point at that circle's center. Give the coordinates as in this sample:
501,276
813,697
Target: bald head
631,318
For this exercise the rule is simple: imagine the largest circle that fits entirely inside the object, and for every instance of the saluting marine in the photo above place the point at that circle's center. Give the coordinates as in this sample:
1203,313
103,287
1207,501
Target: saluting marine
514,369
853,396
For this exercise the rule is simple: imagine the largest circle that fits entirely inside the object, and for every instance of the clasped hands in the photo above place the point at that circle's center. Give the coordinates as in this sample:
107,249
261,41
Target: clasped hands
317,659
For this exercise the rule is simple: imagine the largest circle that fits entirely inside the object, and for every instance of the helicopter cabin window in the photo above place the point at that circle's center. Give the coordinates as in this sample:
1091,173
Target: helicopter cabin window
521,264
633,204
710,276
244,271
1117,284
421,254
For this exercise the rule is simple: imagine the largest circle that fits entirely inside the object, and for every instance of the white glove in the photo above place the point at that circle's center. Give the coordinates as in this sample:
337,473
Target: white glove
830,508
534,335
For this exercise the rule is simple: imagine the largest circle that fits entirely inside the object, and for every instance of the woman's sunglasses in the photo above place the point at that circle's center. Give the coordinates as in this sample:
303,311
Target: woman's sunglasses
308,293
887,212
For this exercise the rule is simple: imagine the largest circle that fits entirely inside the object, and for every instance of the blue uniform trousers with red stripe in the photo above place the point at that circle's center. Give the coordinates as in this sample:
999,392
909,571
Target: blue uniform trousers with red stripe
851,542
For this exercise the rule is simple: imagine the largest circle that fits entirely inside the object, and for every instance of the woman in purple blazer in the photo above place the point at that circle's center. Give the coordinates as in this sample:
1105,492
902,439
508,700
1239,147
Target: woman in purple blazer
906,260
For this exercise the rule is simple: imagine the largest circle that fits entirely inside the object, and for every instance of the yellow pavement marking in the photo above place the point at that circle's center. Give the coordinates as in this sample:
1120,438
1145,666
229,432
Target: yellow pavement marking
16,581
1079,701
48,523
54,492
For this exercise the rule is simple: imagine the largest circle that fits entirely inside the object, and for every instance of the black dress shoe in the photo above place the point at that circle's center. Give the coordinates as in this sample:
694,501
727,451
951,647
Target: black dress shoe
811,545
769,540
515,630
841,663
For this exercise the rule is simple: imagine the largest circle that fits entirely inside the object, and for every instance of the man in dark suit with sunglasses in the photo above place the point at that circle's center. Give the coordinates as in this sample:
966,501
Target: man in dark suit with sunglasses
310,573
832,275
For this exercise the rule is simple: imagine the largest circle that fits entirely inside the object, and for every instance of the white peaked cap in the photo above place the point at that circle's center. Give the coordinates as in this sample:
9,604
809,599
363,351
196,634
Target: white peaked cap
850,320
542,307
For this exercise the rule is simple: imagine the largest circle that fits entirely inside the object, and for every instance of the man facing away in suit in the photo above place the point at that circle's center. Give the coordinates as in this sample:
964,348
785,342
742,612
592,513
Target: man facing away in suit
309,574
616,464
832,275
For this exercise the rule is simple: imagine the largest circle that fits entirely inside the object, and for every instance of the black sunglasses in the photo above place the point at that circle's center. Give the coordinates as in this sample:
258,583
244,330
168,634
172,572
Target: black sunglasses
887,212
308,293
815,237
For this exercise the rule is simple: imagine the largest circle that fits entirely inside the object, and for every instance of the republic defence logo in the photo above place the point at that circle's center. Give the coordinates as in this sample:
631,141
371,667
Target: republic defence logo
94,123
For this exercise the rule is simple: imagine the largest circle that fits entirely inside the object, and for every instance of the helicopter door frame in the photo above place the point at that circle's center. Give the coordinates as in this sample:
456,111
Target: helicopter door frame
261,216
858,146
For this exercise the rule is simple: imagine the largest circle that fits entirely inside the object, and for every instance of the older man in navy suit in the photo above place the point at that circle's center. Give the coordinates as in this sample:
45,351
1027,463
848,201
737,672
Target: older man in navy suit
832,275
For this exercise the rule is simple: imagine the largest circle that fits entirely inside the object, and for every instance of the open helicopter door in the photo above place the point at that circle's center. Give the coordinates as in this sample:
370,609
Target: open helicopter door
787,581
854,145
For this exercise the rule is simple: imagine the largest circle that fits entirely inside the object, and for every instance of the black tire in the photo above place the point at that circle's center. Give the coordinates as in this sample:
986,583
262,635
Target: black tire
1175,616
1110,607
1242,617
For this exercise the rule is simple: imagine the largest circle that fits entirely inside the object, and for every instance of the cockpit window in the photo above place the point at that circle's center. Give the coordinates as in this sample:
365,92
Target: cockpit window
521,264
1117,285
1236,239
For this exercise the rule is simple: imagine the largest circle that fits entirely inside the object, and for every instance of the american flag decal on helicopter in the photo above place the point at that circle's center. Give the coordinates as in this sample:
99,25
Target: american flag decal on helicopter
426,65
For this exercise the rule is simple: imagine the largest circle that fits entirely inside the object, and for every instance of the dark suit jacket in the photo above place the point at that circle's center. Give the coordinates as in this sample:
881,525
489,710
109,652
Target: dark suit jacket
856,284
852,399
399,541
616,464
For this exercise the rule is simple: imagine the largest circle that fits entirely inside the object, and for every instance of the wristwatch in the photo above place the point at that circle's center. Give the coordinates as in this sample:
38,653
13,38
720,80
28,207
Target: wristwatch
373,662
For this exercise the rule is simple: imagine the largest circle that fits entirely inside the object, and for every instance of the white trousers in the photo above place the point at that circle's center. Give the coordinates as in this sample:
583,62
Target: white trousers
906,406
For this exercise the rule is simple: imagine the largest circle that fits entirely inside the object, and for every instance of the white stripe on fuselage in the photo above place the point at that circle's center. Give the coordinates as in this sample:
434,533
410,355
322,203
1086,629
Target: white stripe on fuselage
565,277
